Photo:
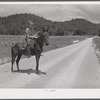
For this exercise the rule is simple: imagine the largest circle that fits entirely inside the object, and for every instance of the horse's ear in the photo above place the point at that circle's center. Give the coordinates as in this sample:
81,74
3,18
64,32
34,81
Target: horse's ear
46,34
39,33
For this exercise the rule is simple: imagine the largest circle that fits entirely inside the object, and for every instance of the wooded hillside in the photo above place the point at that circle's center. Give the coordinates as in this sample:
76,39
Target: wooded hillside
16,25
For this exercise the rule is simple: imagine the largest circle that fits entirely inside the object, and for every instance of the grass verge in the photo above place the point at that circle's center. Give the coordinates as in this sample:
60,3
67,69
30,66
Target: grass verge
96,44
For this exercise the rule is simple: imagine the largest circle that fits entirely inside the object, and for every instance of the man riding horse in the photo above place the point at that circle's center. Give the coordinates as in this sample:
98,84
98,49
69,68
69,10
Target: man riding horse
31,46
30,34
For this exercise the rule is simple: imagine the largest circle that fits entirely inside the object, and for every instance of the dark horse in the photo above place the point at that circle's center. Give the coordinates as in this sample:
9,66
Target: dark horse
43,38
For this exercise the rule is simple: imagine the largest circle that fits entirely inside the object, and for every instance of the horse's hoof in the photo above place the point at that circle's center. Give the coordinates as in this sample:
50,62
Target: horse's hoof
37,71
18,70
12,70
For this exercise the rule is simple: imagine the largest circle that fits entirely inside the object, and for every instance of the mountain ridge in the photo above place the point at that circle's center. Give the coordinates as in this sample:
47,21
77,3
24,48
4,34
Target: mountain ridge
16,24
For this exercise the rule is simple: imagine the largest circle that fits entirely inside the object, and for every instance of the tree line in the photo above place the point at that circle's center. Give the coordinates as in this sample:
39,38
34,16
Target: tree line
17,23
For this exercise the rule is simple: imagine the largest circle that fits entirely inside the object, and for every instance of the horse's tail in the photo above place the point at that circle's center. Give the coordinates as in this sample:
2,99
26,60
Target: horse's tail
12,46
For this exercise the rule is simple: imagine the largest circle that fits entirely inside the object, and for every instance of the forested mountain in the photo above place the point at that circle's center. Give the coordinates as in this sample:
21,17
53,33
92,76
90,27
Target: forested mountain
16,25
82,24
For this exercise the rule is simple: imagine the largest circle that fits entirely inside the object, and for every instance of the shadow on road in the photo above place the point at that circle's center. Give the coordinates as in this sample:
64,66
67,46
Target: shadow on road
30,71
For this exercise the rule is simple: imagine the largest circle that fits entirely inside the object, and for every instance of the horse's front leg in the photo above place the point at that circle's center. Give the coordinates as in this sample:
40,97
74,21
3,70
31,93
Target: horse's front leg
12,62
37,61
17,61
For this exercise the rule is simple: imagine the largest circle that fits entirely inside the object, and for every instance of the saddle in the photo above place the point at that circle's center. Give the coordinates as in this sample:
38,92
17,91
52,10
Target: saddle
23,45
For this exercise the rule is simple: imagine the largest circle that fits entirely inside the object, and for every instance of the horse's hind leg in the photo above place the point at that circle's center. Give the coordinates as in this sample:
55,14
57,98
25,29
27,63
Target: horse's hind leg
12,62
37,62
17,61
13,55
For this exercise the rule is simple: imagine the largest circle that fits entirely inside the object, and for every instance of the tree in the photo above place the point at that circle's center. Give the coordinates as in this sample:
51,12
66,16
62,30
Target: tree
79,32
60,32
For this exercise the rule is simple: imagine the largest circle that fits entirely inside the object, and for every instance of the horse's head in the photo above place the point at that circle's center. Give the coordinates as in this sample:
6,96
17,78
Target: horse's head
40,39
44,37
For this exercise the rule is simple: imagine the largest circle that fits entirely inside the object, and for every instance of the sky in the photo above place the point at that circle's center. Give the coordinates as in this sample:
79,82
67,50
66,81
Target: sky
55,12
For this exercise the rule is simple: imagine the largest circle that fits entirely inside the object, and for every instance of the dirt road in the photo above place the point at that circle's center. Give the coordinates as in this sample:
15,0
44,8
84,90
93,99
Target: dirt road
74,66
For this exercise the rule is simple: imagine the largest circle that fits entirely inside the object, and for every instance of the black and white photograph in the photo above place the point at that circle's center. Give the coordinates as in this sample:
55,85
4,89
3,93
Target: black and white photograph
50,45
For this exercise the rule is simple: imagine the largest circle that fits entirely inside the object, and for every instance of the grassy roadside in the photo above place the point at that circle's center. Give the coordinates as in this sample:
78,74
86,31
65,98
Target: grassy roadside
96,44
62,41
55,42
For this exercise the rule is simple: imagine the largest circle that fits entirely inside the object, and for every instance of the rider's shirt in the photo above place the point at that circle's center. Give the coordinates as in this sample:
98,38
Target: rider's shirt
28,32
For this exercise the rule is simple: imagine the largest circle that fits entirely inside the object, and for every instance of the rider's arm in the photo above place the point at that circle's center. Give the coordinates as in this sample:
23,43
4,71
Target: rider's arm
29,37
27,32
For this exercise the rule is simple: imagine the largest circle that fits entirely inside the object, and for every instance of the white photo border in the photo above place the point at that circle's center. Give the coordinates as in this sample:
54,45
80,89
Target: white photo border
8,93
